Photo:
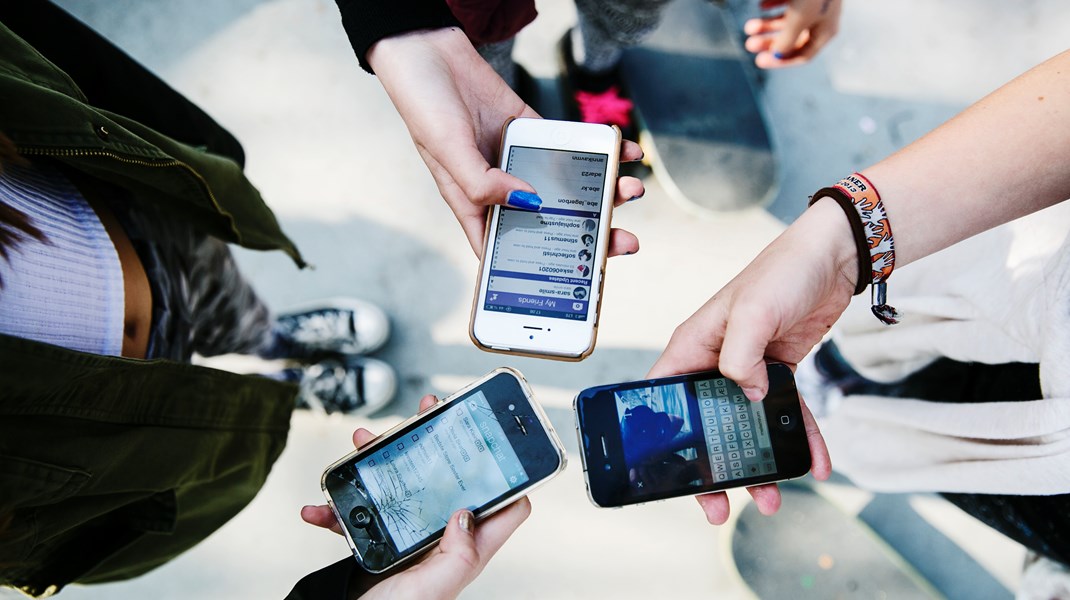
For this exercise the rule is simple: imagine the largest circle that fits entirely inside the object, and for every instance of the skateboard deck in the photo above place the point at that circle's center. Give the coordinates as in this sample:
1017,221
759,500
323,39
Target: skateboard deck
699,121
813,549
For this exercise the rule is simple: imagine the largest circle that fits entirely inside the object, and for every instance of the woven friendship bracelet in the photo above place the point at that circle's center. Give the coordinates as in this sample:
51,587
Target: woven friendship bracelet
877,253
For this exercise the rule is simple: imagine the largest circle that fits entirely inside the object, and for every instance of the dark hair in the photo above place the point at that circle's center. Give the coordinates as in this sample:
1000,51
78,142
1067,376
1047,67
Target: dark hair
14,225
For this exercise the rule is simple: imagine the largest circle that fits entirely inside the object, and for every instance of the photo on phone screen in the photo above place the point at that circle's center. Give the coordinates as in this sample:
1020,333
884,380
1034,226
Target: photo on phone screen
541,271
479,451
687,435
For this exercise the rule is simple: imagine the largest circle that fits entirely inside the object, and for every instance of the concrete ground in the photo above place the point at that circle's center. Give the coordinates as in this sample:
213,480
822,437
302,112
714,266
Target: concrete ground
332,157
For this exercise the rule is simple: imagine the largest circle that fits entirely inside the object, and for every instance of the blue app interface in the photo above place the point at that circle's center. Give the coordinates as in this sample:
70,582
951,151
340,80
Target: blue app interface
459,459
543,262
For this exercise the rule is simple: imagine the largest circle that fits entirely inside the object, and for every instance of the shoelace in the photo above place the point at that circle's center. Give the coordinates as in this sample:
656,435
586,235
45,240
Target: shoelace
322,327
337,388
607,107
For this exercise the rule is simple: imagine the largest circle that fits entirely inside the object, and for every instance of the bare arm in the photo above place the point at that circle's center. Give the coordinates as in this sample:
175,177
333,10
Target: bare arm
1006,156
454,106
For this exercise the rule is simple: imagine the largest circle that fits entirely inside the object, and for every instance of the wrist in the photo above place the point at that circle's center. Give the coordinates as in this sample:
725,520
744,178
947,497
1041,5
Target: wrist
825,221
400,48
872,232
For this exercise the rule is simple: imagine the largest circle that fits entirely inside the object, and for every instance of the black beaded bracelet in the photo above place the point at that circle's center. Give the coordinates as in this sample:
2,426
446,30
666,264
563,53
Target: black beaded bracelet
858,230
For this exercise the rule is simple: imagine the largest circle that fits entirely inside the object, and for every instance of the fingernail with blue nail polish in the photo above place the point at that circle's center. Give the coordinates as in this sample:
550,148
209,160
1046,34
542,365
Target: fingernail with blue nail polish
524,200
634,198
779,55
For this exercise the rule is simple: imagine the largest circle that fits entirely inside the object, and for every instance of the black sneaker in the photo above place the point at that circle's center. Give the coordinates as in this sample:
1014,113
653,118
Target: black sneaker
340,326
594,97
354,385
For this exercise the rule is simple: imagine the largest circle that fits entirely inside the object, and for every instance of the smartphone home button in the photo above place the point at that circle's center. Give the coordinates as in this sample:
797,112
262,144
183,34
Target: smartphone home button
785,421
360,517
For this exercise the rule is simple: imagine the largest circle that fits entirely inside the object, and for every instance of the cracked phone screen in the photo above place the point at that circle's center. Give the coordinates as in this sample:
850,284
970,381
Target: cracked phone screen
459,459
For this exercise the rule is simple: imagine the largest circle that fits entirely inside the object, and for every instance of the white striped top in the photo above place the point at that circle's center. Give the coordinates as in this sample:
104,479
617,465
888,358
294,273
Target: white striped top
67,291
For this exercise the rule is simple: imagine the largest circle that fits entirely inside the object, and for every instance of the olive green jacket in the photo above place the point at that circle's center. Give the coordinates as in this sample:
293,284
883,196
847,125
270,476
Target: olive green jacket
110,467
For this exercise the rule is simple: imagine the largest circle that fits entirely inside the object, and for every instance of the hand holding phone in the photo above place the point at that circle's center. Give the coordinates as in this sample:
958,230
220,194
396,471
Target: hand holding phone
482,449
541,273
690,434
447,568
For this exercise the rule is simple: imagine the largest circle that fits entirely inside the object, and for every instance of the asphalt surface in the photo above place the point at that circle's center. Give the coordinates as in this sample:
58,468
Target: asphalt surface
331,156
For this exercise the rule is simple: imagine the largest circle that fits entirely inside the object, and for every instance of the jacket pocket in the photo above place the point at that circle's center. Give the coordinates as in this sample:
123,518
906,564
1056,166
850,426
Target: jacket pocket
25,486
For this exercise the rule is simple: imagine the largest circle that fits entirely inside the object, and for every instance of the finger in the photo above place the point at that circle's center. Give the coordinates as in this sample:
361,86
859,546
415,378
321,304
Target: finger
321,516
757,44
715,506
622,242
467,547
820,461
695,344
465,168
361,437
742,357
763,25
456,561
766,497
630,151
427,402
768,60
686,354
479,182
482,184
811,44
493,531
628,189
788,39
472,218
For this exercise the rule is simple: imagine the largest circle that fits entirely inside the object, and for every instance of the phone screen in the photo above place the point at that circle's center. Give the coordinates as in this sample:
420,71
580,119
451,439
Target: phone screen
692,434
543,263
480,449
461,458
688,434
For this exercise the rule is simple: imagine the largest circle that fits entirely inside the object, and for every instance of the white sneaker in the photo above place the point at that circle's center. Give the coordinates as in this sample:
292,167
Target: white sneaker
352,385
1043,579
330,327
822,396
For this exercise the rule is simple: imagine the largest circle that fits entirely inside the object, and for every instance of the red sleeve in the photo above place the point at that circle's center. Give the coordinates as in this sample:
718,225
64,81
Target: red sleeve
489,21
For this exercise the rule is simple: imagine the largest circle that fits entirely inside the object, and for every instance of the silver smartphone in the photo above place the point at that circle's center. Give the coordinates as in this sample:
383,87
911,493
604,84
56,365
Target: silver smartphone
481,448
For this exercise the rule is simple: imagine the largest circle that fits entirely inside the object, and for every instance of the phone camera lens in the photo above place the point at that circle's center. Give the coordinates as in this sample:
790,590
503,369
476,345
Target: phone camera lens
360,517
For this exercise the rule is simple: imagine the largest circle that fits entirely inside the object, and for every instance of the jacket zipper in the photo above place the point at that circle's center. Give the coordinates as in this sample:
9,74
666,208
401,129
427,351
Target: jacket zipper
67,153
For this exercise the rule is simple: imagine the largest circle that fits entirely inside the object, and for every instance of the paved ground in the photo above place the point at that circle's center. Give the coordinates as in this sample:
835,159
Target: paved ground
334,160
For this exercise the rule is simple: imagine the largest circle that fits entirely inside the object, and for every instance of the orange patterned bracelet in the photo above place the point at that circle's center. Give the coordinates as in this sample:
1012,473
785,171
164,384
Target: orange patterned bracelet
871,218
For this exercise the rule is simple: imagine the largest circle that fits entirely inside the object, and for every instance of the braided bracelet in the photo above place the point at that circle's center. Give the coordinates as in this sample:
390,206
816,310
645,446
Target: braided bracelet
873,237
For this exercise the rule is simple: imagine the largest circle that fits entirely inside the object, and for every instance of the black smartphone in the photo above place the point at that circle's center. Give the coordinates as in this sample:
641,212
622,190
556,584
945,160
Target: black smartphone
482,448
688,434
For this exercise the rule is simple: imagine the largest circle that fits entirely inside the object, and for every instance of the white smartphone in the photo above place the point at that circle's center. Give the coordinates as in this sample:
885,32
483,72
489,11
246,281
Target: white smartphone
482,448
541,273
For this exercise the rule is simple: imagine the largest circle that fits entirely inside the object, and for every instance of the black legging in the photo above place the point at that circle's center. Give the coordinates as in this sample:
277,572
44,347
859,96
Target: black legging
201,302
